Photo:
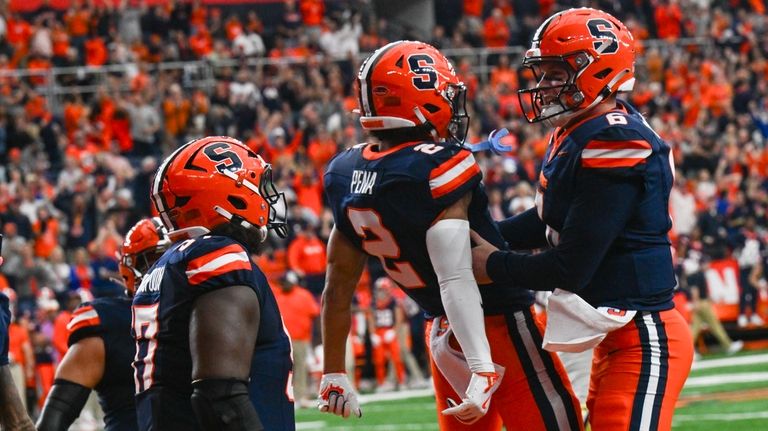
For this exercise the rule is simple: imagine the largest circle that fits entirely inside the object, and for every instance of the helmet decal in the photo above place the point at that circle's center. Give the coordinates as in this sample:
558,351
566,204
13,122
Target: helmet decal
578,57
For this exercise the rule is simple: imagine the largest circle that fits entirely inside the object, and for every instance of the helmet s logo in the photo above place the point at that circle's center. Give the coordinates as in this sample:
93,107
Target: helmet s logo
602,29
218,152
421,65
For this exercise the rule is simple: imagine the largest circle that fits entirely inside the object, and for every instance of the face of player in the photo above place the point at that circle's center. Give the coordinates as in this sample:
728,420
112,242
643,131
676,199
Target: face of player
553,80
555,85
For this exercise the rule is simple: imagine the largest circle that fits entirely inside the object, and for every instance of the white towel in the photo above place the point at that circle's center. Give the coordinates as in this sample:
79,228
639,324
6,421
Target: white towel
575,326
451,362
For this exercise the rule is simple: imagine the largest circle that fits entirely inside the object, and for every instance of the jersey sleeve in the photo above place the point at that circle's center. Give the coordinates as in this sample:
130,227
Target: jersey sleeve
453,178
600,210
85,323
216,263
5,321
616,151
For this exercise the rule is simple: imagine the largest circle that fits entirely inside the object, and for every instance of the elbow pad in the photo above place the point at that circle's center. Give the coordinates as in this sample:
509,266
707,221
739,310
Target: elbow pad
451,255
224,405
65,401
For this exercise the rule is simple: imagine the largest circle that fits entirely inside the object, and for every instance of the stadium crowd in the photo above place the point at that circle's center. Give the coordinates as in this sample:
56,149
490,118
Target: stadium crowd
76,164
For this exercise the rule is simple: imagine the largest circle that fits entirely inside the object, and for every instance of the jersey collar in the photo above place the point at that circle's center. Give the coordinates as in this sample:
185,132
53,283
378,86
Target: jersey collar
370,154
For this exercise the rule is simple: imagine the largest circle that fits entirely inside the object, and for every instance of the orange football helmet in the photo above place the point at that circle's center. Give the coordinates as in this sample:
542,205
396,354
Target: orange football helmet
143,245
593,54
408,84
216,180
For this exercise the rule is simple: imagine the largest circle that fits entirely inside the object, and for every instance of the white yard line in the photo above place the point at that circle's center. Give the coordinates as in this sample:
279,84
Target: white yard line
722,379
314,425
721,416
398,395
410,407
705,364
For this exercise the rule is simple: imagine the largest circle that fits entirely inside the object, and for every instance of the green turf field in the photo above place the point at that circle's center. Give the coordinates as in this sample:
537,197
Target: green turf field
722,394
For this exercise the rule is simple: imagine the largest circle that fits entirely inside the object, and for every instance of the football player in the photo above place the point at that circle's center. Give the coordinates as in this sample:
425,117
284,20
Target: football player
204,318
602,205
384,321
409,198
101,347
13,416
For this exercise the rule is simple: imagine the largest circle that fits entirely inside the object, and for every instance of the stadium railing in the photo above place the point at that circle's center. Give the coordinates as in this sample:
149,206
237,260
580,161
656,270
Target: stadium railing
202,73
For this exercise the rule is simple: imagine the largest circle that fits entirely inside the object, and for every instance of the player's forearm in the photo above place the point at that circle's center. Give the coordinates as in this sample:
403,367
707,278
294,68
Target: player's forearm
449,250
335,317
345,265
64,403
599,213
12,413
524,231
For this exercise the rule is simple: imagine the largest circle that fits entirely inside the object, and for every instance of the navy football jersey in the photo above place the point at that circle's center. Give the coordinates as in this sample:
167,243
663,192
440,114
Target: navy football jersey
5,321
384,202
110,319
161,313
384,314
603,198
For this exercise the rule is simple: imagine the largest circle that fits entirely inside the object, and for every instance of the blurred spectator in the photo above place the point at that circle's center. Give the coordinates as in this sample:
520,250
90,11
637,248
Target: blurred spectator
243,99
104,265
145,125
668,18
299,309
60,271
703,313
306,257
20,354
496,30
749,254
682,207
176,110
340,40
384,322
82,273
312,12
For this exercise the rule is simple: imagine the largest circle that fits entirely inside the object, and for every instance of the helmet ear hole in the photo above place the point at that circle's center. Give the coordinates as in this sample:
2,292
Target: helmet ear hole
237,202
431,108
603,73
181,201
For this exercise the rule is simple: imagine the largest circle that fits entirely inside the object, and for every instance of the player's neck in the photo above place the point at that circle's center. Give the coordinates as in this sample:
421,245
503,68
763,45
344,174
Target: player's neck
381,146
601,108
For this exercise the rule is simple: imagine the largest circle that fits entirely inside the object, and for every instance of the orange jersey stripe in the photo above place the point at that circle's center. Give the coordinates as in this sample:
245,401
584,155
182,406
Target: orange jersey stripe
201,261
83,324
618,145
448,164
456,182
83,317
235,262
612,163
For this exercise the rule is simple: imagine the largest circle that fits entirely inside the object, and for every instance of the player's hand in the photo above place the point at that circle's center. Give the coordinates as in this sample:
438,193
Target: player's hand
375,340
480,253
478,398
337,396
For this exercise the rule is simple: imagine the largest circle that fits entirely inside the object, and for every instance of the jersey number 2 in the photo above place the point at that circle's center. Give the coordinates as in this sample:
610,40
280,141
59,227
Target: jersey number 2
145,326
384,246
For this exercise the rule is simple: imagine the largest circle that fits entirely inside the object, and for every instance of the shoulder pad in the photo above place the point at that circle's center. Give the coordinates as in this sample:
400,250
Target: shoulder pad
213,256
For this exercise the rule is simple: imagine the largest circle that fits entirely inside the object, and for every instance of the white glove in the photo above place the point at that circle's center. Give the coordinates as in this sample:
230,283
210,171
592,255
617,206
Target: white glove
389,336
375,340
478,398
337,396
